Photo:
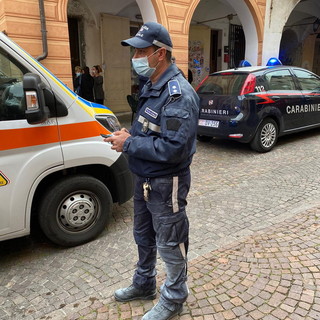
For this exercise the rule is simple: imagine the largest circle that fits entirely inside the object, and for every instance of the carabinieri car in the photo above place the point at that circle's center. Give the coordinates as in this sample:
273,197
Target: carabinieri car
256,105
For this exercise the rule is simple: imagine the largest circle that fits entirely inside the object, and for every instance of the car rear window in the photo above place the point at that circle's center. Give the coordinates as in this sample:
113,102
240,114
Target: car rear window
223,83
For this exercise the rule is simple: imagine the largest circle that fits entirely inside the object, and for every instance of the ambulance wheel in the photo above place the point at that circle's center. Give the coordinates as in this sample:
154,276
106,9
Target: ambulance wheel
75,210
266,136
204,138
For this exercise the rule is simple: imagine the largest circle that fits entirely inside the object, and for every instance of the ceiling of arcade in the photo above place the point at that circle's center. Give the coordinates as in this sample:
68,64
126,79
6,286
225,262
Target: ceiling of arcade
305,11
253,15
164,8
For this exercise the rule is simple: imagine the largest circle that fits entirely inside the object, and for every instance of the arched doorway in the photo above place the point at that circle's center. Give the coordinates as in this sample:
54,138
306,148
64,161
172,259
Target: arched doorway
176,17
101,27
303,22
298,17
222,33
290,50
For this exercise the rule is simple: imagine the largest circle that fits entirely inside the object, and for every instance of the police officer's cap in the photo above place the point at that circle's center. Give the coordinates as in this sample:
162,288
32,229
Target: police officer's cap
151,33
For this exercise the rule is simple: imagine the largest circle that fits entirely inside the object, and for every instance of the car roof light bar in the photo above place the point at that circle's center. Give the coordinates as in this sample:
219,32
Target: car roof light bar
244,63
274,62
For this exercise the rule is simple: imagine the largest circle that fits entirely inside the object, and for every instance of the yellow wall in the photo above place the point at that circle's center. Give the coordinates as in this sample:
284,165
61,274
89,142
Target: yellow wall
199,38
308,52
316,59
21,21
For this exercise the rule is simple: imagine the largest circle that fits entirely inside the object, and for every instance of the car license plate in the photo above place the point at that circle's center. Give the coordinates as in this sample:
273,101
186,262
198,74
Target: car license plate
209,123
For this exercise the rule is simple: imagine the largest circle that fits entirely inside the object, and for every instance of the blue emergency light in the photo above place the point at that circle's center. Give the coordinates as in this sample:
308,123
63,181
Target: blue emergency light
274,62
244,63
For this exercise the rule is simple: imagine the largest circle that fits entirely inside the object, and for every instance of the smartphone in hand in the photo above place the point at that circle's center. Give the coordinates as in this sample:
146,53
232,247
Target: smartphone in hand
106,135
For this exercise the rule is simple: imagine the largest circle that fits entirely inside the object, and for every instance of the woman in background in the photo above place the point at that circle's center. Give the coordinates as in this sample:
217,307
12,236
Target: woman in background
98,84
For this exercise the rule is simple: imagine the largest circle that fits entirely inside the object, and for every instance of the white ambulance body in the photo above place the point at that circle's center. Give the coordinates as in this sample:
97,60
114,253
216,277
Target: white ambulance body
54,165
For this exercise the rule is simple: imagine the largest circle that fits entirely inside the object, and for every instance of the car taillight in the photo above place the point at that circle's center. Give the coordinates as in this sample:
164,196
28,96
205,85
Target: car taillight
200,84
249,84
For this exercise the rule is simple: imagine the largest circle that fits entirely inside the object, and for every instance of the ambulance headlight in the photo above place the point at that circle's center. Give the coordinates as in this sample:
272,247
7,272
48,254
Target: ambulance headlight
110,122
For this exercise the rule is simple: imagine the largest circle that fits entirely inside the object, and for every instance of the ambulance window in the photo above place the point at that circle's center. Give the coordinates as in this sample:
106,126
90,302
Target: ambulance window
307,80
12,102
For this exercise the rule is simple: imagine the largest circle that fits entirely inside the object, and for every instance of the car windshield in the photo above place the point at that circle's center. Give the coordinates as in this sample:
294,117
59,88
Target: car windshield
223,84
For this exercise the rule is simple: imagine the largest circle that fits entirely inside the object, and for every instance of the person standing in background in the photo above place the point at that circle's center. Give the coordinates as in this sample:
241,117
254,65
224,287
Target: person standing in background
77,79
86,86
98,84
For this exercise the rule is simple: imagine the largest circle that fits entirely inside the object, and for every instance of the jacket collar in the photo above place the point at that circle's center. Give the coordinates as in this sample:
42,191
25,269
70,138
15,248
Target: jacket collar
170,72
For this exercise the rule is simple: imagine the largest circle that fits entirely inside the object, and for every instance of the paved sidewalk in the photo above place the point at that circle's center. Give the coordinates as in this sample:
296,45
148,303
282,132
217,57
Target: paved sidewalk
254,245
273,274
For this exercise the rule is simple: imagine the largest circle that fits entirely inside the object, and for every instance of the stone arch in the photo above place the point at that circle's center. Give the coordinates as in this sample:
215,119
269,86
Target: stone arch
62,10
147,9
252,27
177,18
277,15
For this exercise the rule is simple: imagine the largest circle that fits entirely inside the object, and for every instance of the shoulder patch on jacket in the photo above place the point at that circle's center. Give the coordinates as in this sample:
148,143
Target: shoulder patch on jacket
174,88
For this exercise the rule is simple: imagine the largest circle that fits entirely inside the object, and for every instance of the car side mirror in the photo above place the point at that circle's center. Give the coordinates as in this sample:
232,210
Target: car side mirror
36,111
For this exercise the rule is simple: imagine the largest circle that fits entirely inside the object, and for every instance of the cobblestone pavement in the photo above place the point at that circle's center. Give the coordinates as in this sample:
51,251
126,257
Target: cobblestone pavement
254,246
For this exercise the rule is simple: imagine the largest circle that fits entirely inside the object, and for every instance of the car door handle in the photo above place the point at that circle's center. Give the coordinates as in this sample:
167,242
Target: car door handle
275,98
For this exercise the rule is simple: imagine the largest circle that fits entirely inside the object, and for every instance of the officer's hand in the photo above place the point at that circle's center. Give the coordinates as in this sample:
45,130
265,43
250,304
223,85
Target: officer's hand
118,139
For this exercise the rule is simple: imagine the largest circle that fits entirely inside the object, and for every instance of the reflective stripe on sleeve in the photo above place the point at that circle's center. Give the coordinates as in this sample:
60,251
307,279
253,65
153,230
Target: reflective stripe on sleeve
145,122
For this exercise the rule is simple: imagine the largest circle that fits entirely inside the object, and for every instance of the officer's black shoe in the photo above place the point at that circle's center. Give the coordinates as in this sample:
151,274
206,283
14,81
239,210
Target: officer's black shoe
132,293
160,312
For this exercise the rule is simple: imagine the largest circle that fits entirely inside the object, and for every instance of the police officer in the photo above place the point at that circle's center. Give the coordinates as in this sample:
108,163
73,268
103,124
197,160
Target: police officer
160,145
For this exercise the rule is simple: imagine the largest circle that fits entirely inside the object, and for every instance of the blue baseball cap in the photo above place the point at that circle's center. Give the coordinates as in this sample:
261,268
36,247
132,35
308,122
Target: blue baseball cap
151,33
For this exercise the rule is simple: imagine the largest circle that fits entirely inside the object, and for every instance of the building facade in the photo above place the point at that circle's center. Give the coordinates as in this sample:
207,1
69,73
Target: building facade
208,35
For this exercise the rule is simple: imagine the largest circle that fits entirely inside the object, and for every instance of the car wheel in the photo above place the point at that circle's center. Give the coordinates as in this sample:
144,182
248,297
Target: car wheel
266,136
75,210
204,138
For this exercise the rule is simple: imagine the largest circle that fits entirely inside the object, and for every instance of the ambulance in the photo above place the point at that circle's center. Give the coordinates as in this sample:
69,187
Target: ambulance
55,168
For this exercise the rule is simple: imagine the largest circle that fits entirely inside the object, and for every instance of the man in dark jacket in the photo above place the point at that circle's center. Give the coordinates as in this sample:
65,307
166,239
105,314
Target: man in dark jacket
160,145
86,86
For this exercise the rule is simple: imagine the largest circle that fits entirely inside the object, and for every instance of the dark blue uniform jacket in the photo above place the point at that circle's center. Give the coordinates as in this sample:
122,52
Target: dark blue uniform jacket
163,135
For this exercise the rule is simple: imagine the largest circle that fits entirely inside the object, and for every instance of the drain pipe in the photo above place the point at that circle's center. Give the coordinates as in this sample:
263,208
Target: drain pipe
43,31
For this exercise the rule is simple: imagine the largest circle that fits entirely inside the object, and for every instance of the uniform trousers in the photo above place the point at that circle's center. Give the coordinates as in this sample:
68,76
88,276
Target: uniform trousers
161,224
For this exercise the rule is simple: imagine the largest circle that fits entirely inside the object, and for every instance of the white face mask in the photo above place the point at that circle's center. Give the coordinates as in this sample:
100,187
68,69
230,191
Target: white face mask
141,66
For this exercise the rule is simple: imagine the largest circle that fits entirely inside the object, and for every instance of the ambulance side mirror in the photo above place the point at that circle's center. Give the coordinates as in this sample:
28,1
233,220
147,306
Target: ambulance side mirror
36,111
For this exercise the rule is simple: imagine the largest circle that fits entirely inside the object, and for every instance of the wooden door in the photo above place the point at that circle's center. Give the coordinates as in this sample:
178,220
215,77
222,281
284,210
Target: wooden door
116,62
